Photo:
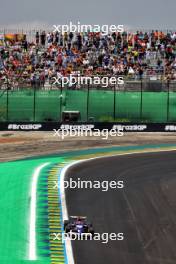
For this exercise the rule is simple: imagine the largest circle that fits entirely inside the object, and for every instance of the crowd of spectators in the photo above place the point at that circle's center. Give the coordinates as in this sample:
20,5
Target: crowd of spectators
136,55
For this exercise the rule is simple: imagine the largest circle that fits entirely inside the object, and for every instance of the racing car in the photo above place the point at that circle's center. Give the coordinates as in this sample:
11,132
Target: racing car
78,225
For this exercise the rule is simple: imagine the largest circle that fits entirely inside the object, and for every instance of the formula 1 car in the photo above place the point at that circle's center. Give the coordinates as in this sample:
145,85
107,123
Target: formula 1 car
78,225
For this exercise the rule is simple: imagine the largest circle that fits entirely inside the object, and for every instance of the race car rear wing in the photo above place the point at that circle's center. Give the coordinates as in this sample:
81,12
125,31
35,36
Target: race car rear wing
78,216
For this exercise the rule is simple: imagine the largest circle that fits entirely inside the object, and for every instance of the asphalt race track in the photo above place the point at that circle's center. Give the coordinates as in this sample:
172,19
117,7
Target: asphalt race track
145,210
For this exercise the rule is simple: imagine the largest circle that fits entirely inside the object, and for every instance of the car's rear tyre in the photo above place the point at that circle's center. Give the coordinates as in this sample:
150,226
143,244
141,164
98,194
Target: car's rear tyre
67,230
66,222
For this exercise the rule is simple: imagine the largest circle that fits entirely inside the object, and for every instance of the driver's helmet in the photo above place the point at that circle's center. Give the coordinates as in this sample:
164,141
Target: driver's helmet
78,220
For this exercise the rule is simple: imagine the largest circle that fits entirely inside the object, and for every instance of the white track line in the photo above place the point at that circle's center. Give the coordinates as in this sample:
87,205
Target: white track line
69,250
32,221
68,246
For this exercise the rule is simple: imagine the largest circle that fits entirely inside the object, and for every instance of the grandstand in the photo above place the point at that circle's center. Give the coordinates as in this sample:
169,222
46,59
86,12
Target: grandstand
146,60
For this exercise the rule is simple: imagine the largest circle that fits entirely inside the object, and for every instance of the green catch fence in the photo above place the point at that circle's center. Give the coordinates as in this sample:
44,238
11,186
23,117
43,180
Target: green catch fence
96,105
